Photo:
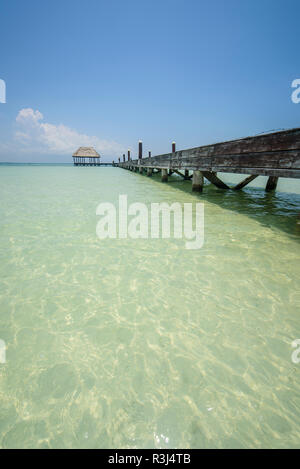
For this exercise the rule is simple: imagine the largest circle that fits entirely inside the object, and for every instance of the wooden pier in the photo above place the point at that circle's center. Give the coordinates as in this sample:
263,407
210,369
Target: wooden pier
274,155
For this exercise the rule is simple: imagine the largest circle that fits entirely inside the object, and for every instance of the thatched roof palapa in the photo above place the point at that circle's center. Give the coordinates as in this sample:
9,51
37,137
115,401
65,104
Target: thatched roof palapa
86,152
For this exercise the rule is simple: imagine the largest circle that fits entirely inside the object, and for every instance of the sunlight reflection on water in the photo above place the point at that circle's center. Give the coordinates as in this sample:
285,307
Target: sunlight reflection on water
142,343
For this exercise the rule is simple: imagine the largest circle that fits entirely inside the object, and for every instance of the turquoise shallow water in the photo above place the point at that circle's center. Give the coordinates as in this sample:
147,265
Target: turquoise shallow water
142,343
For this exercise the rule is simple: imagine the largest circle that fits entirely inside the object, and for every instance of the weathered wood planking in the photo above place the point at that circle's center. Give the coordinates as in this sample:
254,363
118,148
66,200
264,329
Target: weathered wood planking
276,154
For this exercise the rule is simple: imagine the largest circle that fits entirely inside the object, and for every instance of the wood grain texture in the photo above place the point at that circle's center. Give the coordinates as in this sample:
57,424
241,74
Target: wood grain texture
276,154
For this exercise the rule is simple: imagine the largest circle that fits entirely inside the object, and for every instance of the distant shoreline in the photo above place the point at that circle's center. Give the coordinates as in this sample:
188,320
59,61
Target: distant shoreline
13,163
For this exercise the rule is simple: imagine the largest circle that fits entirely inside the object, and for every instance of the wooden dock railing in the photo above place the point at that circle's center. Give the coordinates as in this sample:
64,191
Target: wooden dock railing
274,155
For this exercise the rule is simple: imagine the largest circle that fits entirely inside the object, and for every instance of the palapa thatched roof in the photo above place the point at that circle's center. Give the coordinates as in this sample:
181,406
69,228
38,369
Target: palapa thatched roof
87,152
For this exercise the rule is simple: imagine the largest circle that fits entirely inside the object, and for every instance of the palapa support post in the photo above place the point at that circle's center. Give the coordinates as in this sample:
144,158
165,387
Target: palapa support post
149,172
198,180
164,175
272,183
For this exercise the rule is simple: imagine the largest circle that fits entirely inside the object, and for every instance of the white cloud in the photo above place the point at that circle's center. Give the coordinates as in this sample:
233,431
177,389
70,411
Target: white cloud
29,116
36,136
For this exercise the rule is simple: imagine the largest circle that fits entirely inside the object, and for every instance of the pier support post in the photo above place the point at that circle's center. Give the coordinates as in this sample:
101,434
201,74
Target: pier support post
140,155
197,185
164,175
173,151
272,183
128,155
186,174
149,172
140,149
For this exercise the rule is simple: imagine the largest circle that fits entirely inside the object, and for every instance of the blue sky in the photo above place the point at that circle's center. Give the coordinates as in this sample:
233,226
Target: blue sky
109,73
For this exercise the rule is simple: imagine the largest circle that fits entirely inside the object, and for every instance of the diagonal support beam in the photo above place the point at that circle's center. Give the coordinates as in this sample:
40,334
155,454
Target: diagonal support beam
245,182
178,172
213,178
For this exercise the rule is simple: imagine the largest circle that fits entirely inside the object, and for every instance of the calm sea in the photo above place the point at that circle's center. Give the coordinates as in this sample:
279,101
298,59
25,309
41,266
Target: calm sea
143,343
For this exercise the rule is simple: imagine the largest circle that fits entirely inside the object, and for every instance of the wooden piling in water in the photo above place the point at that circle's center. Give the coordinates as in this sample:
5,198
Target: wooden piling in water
272,183
164,175
198,180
